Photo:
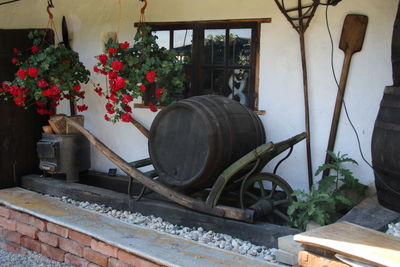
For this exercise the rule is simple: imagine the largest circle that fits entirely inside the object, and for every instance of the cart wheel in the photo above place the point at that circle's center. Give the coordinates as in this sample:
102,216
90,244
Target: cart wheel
266,194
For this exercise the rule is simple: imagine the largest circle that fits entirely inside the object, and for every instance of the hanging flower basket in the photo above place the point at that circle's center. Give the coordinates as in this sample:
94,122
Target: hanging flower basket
132,70
46,76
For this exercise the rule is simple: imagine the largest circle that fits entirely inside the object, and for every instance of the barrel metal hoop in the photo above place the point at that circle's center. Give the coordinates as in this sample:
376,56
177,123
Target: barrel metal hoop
388,126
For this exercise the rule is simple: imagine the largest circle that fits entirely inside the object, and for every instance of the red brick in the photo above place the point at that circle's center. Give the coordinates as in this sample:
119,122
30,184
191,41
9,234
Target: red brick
19,216
57,229
12,236
27,230
127,257
38,223
30,243
95,257
48,238
112,262
104,248
4,212
52,252
75,260
80,238
71,246
8,224
11,247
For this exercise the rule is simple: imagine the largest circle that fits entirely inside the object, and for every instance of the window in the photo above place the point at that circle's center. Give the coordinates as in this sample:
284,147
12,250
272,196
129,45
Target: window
221,56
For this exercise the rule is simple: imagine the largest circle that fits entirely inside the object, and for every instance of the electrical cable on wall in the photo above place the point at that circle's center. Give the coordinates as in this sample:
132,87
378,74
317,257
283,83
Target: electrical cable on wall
343,101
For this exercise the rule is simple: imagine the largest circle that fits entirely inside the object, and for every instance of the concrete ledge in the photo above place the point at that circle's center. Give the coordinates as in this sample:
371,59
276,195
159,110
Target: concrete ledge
109,235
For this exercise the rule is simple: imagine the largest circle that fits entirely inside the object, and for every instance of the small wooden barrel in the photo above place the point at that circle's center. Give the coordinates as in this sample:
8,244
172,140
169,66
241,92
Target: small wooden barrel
385,149
192,141
396,50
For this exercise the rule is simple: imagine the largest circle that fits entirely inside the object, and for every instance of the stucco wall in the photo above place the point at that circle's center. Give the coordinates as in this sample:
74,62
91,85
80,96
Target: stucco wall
281,91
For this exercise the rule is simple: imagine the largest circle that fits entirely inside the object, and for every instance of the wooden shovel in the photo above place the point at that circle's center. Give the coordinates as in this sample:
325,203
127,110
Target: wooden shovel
351,41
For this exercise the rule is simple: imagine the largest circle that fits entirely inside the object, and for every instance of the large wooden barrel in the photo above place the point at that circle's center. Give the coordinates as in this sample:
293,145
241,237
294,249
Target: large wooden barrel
385,149
193,140
396,49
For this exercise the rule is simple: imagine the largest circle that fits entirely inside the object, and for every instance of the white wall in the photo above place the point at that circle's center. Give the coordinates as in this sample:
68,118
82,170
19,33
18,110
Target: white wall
281,91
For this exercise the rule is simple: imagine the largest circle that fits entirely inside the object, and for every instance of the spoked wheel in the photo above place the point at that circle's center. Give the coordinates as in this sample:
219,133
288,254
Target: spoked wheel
266,194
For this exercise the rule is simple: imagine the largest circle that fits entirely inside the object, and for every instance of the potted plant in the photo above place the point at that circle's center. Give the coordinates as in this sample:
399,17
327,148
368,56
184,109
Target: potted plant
45,76
133,71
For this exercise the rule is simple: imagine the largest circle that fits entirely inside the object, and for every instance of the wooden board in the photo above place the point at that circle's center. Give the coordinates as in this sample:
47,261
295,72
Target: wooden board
356,242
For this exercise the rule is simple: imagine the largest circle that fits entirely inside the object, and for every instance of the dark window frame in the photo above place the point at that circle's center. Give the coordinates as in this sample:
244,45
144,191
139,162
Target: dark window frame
198,28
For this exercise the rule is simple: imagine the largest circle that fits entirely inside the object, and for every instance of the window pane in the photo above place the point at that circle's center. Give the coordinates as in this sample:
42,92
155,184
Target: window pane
213,81
163,38
238,84
183,44
239,47
214,47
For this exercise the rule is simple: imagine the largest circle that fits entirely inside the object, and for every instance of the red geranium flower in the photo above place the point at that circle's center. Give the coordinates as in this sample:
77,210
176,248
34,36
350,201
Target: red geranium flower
42,83
76,87
110,108
158,92
15,90
19,101
81,94
42,111
126,117
124,45
98,91
16,51
33,72
142,88
117,65
151,76
127,98
152,107
21,74
81,108
96,69
128,109
112,75
117,84
112,50
35,49
103,59
106,117
39,104
14,60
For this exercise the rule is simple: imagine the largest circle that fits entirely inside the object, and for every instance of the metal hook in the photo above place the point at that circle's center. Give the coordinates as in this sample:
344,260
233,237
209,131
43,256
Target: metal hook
50,3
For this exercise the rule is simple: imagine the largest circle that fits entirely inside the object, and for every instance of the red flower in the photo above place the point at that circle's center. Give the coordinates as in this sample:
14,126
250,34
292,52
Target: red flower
113,98
15,90
158,92
96,69
35,49
112,75
126,117
76,87
82,108
124,45
117,84
21,74
42,111
117,65
14,60
54,103
110,108
54,90
106,117
98,91
19,101
128,109
127,98
103,59
39,104
81,94
151,76
142,88
112,50
33,72
152,107
16,51
42,83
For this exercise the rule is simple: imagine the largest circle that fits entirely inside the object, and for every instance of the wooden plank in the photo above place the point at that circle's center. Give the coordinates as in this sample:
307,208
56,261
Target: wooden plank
184,23
356,242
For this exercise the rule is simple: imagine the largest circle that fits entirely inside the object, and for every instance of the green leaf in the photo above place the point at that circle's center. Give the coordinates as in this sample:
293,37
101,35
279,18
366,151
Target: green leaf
326,183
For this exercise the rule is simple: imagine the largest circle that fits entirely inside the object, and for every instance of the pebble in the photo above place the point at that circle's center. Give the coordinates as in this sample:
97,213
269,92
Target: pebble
394,229
27,258
198,234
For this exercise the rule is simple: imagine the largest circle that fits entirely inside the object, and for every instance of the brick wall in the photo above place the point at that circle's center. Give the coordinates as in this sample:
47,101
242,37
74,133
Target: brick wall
18,229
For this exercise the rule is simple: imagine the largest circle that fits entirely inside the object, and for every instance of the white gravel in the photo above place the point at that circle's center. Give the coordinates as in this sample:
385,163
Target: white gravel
210,238
28,258
394,229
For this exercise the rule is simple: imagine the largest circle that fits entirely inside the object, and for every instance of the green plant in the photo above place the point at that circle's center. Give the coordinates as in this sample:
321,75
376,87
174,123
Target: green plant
131,71
328,202
46,75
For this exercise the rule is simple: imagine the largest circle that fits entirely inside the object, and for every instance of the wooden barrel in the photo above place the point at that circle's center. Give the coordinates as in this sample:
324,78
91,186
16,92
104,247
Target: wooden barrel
385,149
192,141
396,49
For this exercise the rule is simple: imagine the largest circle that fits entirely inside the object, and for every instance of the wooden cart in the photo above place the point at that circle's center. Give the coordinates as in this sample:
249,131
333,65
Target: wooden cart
242,182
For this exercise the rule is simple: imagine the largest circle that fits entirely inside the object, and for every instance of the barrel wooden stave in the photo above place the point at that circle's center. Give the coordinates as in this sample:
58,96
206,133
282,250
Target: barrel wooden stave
192,141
